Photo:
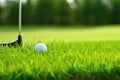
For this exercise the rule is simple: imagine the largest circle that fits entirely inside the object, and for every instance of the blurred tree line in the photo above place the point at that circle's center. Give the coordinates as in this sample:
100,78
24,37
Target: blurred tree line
61,12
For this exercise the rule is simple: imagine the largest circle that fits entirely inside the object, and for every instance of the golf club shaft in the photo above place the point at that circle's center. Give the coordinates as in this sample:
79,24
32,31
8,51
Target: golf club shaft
19,40
20,16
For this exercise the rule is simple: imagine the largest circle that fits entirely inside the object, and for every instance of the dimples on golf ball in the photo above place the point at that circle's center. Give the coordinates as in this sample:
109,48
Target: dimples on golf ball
41,47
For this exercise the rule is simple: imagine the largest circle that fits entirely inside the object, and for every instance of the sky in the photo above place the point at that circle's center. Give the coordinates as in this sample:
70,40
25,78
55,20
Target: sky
106,2
3,1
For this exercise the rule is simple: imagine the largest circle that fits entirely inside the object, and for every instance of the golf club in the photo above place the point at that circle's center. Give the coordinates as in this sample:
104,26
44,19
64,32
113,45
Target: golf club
18,42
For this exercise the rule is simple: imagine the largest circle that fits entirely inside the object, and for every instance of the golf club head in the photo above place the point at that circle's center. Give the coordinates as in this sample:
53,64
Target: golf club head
18,42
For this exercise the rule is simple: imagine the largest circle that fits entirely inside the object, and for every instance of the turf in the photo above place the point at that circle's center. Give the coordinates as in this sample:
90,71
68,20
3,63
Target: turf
34,33
65,59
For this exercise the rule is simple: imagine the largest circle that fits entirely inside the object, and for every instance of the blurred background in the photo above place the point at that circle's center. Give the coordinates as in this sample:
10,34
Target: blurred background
48,20
61,12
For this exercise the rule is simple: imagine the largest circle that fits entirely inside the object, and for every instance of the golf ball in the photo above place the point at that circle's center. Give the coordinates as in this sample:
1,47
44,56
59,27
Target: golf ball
41,47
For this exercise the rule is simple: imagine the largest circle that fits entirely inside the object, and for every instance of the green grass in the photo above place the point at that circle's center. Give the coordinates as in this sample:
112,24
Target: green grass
74,59
64,34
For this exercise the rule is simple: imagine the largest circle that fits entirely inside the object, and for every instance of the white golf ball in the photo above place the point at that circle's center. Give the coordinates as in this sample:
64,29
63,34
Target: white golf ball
41,47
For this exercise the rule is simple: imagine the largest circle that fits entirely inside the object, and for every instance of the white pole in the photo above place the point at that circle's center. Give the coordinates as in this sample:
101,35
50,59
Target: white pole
20,16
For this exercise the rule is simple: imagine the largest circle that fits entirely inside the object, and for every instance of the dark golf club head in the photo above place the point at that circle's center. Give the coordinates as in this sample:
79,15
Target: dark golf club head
18,42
